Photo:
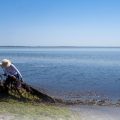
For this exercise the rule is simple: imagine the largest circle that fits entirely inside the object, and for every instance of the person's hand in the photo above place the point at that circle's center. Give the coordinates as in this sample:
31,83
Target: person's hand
22,80
13,77
4,74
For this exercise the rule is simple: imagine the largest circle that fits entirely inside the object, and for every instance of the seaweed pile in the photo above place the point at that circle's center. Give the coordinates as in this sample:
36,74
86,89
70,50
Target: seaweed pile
26,93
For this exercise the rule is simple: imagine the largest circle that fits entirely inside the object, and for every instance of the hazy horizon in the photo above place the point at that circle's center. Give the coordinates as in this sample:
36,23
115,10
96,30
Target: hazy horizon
61,46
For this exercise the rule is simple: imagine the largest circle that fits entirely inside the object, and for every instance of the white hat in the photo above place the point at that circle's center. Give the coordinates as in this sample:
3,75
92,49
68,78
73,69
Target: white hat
6,61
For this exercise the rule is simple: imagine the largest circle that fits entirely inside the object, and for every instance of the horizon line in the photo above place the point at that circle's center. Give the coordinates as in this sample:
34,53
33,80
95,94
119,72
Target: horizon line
30,46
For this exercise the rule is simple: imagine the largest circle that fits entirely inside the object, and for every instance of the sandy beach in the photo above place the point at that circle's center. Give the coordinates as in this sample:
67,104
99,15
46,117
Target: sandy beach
96,112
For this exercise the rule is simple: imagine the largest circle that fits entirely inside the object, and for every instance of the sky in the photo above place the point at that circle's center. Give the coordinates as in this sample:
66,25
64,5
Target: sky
60,22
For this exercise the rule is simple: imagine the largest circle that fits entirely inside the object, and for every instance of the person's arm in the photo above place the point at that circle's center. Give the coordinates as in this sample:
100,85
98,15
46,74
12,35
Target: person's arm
18,72
5,72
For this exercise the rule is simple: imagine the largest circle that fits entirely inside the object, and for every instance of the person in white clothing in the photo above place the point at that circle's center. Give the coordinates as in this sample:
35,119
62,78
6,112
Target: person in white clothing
11,72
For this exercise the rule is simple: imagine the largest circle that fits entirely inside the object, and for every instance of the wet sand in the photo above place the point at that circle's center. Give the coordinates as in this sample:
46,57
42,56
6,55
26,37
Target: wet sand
96,113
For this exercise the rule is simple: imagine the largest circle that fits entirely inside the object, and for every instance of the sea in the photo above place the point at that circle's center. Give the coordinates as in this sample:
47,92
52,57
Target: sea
69,73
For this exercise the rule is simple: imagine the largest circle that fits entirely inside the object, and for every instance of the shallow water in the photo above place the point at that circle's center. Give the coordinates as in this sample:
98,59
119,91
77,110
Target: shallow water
70,73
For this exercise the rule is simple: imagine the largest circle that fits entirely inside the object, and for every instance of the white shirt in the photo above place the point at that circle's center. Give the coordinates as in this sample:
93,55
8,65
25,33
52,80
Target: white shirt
11,71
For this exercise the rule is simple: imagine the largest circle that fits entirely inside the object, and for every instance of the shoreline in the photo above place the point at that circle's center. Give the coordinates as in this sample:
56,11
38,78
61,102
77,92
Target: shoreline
96,112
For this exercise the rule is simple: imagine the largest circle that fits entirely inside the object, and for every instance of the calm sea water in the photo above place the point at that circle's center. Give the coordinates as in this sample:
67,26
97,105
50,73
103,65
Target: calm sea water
72,73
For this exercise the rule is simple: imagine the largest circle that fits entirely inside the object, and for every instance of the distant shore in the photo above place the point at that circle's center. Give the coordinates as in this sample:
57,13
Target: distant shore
59,46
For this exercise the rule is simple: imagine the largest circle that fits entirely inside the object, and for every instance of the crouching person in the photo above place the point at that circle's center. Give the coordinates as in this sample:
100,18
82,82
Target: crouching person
13,76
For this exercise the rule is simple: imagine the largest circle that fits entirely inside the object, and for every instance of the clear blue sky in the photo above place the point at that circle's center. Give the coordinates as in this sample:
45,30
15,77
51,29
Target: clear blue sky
60,22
